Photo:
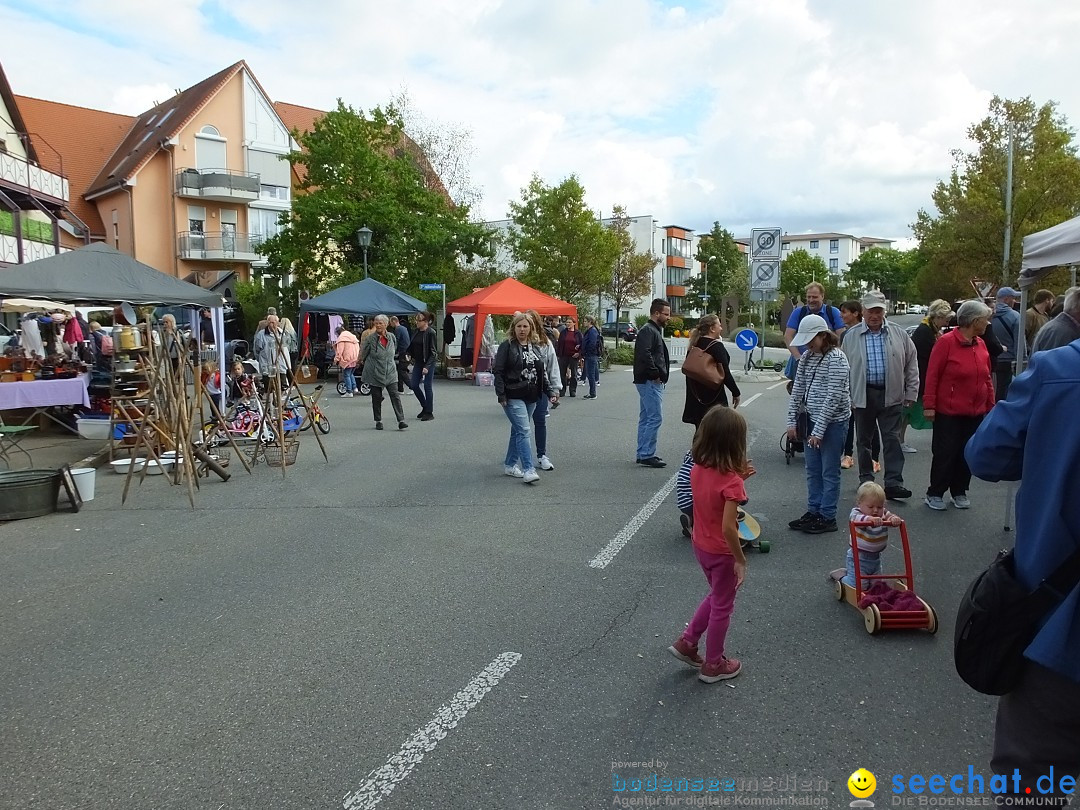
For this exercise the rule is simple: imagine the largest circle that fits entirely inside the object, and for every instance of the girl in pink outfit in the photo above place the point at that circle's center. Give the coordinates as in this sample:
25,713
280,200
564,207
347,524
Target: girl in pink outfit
346,356
716,481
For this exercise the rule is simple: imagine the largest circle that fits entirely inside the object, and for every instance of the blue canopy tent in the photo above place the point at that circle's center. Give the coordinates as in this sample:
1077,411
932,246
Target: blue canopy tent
367,297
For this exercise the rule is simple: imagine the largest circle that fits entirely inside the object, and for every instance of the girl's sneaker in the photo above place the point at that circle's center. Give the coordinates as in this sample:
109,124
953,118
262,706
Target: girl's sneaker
514,471
682,650
727,668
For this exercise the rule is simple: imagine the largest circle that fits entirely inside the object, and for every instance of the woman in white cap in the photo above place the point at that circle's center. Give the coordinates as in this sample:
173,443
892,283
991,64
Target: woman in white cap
821,401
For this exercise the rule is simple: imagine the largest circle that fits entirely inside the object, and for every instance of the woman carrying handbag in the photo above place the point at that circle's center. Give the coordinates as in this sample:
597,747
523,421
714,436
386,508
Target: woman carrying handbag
701,397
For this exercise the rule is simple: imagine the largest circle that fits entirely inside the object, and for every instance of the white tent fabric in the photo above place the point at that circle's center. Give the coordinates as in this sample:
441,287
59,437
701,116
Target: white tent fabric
1045,250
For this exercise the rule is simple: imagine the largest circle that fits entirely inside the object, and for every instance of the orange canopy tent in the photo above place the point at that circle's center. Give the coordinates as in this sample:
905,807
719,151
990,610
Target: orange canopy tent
505,298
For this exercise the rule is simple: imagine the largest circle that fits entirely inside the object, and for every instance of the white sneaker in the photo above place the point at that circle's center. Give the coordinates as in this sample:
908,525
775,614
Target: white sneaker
961,502
530,475
907,448
935,503
545,463
514,472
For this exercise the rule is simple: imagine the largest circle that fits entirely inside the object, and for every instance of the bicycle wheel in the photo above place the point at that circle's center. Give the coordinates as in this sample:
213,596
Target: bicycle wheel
322,422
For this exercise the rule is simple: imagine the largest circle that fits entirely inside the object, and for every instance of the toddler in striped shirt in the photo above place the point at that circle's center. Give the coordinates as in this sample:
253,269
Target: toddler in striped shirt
871,521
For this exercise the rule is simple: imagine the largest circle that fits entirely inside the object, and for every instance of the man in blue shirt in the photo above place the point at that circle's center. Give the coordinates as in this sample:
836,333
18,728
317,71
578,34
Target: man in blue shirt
815,305
1034,433
1006,325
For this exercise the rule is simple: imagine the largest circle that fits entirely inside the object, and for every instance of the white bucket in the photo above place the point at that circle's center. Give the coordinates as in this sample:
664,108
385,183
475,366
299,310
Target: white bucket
84,478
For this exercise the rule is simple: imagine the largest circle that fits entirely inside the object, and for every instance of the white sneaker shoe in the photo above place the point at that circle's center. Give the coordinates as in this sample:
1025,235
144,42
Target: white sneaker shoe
545,463
907,448
935,503
530,475
961,502
514,472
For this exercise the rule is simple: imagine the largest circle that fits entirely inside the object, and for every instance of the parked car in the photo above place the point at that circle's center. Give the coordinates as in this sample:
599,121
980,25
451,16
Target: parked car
626,331
5,337
917,309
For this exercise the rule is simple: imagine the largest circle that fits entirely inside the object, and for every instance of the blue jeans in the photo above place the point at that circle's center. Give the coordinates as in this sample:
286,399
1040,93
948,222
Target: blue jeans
539,419
348,376
869,563
592,373
425,396
650,415
823,471
519,450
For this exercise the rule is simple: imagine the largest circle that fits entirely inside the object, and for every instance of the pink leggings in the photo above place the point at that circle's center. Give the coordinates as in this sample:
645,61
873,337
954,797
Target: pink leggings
714,612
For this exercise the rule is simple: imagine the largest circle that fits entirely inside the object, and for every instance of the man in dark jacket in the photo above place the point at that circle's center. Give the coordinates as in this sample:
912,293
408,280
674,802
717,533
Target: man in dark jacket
650,376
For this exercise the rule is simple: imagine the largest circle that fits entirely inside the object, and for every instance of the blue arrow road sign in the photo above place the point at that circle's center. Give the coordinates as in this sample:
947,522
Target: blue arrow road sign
746,340
431,286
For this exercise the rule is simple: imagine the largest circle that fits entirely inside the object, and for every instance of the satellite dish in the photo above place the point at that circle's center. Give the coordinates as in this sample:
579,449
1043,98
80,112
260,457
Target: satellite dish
125,314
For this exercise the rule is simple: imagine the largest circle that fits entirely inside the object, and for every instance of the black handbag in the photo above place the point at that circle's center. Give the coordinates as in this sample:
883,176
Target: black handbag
998,618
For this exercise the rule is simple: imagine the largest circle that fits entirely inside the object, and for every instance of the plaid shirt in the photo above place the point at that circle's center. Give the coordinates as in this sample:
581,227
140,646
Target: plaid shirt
875,357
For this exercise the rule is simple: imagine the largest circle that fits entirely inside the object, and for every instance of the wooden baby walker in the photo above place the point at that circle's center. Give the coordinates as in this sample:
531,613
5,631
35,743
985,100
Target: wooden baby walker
880,610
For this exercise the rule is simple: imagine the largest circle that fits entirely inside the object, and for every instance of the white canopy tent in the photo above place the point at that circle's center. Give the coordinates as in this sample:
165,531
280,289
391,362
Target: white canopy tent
1045,251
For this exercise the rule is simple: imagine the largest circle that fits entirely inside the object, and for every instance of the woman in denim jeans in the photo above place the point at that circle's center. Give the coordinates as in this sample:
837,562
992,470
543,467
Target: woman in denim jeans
422,353
520,380
822,389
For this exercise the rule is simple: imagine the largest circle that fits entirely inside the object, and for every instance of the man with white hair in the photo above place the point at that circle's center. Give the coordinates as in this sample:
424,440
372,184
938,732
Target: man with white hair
1063,329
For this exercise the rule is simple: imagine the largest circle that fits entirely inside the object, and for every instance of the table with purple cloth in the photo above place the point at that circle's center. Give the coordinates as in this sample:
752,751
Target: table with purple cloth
43,394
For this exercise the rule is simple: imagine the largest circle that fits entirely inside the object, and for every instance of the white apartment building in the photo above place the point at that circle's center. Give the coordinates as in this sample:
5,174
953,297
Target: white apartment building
838,250
675,248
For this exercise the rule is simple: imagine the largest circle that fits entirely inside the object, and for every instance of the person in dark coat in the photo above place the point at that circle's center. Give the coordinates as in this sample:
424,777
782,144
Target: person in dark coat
700,399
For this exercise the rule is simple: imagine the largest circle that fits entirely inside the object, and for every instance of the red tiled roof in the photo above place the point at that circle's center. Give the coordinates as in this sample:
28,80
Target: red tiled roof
84,137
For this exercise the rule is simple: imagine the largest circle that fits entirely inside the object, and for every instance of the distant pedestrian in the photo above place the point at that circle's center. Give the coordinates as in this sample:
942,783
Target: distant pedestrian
592,348
568,350
346,356
815,305
206,327
1006,326
401,335
717,482
1037,315
423,353
651,361
520,380
378,353
924,337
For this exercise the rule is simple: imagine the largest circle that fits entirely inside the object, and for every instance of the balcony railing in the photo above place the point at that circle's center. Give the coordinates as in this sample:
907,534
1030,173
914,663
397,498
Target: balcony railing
18,172
219,246
31,251
218,184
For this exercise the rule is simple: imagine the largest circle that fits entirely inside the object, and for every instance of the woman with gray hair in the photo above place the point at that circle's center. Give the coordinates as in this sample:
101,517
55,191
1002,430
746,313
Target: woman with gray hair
924,337
379,358
958,393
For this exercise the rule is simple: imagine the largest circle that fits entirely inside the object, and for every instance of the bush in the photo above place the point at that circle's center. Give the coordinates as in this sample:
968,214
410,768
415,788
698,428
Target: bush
622,356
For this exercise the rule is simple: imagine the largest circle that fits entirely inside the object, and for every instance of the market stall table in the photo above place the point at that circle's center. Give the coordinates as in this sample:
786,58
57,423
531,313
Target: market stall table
44,394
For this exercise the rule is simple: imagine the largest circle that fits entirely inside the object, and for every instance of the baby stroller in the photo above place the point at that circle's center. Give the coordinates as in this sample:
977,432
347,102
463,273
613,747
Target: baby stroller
790,447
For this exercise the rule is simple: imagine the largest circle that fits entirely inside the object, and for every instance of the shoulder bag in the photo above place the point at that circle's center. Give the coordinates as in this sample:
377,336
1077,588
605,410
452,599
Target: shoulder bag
998,618
701,367
804,425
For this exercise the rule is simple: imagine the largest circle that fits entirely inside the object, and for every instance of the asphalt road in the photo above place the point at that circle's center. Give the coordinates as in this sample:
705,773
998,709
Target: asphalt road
406,627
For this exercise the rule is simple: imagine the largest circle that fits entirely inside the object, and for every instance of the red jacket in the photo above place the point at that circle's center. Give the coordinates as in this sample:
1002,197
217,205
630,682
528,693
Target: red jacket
958,379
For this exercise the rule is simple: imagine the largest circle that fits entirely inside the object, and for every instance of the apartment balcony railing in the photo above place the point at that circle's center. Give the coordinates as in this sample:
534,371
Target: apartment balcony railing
17,173
31,250
224,185
219,247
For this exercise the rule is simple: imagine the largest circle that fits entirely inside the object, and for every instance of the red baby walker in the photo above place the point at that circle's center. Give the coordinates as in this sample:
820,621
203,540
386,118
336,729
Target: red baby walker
890,602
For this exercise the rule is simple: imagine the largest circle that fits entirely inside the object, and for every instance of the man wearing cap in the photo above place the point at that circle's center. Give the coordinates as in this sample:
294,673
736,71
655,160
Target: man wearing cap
1006,325
884,380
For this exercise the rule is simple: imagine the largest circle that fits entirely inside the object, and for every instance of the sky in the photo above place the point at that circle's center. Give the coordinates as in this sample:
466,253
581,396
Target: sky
809,115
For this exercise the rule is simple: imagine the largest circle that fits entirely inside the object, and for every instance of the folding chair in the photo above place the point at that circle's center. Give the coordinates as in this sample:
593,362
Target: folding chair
9,441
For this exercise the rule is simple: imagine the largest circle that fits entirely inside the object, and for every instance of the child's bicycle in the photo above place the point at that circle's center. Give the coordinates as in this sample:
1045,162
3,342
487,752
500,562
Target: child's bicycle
890,603
310,414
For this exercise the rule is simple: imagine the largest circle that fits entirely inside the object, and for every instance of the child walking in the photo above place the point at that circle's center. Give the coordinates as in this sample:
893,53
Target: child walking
871,521
717,482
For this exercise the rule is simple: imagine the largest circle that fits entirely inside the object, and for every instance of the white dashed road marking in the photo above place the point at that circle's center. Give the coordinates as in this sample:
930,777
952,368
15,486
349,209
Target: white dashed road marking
776,385
755,396
381,782
609,551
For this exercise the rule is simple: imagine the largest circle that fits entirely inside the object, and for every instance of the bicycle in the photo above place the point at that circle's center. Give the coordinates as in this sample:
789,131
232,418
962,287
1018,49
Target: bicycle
310,414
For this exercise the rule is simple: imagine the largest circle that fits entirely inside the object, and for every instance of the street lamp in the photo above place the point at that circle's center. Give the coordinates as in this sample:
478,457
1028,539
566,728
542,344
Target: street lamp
363,238
706,295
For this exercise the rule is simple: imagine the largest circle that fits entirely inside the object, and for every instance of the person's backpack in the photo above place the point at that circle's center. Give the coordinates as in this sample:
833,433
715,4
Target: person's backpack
828,309
106,345
601,346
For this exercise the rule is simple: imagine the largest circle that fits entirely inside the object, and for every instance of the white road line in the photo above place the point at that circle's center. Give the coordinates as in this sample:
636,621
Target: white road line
755,396
609,551
776,385
381,782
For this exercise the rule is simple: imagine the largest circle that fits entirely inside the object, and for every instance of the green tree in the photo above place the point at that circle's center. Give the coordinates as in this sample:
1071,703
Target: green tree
891,271
964,237
631,277
729,273
565,250
798,270
358,171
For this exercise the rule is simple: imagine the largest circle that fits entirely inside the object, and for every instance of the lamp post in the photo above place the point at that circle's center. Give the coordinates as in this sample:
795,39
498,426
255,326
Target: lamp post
363,238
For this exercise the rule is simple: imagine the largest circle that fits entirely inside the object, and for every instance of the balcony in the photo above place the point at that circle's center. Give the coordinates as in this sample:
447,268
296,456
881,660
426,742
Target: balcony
222,185
18,174
31,250
675,291
219,247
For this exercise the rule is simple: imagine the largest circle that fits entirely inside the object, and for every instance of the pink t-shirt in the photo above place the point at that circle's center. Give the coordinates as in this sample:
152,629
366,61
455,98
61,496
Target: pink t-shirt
712,490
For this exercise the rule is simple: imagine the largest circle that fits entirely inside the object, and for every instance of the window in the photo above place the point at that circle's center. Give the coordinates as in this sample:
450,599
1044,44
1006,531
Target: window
678,247
196,226
813,244
785,246
834,246
274,193
834,264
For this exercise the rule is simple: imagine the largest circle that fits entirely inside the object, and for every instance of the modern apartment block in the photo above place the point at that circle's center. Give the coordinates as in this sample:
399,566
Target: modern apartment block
674,247
191,187
838,250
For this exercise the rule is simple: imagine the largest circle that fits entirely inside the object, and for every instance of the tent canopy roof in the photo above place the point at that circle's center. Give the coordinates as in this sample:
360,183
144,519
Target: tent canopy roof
1053,247
100,274
366,297
508,296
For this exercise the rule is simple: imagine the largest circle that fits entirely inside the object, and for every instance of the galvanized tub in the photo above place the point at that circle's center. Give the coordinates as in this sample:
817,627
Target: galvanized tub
28,493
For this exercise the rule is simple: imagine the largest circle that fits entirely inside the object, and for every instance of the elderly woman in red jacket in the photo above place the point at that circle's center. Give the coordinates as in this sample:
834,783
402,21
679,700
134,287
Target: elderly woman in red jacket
959,393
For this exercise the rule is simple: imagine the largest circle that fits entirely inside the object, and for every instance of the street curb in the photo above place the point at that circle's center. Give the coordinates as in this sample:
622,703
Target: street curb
98,459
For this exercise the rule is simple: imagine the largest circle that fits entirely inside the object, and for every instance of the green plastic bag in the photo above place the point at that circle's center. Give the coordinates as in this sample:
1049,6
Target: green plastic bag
915,417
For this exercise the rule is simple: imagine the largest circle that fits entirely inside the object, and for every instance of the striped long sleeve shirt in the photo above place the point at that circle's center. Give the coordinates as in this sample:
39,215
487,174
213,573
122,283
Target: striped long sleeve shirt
822,383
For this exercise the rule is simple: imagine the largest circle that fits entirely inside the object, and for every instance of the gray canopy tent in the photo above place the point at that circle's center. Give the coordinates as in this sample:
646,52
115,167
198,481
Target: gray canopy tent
1045,251
365,297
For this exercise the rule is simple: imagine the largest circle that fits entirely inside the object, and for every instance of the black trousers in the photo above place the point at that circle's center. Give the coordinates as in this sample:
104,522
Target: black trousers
1038,727
571,364
948,467
1003,375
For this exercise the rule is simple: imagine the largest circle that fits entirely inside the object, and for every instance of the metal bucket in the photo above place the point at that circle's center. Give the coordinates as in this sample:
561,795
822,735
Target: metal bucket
28,493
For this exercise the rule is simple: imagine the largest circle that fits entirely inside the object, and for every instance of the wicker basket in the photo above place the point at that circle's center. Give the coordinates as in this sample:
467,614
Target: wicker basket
273,454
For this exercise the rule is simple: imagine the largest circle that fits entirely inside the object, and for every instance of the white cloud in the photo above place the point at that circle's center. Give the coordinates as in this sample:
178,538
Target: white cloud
814,114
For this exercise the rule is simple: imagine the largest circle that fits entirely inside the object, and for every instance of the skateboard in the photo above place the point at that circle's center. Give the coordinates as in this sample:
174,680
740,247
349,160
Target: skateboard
750,531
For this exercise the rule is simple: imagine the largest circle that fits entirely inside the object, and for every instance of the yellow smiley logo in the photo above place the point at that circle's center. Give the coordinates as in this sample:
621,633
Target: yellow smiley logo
861,783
